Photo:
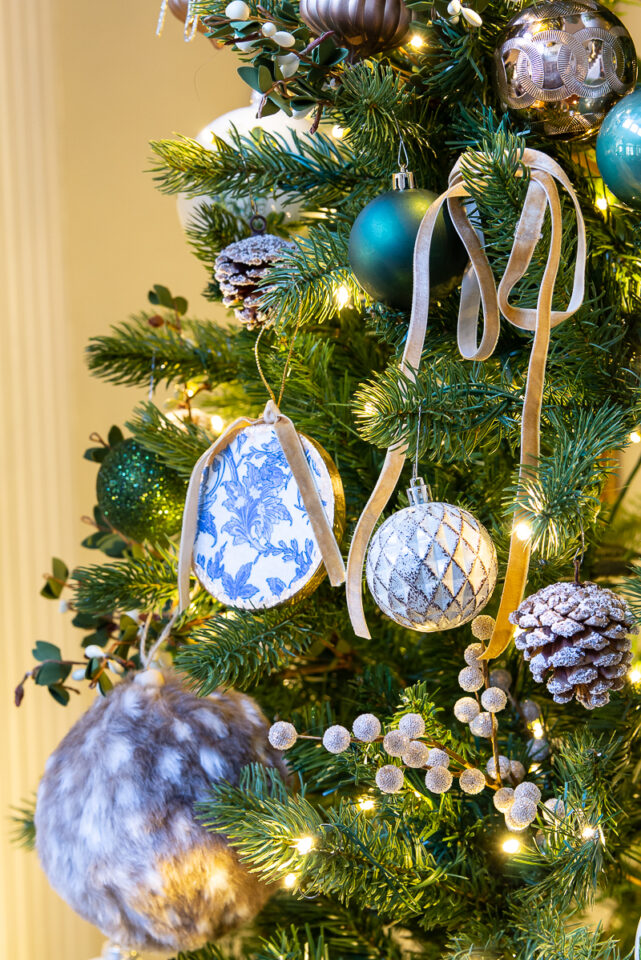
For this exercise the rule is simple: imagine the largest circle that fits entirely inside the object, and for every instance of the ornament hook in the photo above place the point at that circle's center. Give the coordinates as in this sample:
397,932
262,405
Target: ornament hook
404,179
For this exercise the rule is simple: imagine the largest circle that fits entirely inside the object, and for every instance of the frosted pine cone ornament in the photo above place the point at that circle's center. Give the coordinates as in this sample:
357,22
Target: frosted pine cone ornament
431,566
576,639
240,268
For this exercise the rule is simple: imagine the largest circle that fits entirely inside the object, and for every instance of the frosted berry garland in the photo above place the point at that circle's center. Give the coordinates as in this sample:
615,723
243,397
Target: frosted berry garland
407,744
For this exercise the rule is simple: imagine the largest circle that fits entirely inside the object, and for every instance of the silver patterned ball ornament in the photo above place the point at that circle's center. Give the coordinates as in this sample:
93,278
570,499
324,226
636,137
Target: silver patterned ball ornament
562,64
431,566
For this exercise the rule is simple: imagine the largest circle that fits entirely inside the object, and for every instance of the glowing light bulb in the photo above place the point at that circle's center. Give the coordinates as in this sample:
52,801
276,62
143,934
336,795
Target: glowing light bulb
217,423
341,296
290,880
634,673
523,530
304,845
338,132
417,41
537,729
601,203
366,803
511,845
589,832
635,437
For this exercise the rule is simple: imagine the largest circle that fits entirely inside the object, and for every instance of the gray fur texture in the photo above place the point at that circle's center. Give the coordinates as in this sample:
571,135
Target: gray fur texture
115,824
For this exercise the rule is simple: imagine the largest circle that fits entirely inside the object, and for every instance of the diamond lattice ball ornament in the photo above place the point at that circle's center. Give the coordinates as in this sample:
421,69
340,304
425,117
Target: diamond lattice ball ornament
138,494
576,638
431,566
255,546
561,65
239,270
116,829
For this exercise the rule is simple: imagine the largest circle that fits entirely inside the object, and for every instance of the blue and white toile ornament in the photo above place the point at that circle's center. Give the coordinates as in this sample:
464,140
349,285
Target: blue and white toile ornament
431,566
255,545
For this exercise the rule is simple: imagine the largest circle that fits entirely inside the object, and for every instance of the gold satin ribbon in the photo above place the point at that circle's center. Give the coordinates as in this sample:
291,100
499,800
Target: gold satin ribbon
479,288
295,456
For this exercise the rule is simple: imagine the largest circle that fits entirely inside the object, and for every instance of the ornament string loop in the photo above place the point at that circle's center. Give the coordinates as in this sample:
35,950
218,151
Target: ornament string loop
479,289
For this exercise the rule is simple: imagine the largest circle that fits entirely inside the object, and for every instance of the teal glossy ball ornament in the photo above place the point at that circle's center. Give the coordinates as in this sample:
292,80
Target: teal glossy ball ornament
381,247
618,150
138,495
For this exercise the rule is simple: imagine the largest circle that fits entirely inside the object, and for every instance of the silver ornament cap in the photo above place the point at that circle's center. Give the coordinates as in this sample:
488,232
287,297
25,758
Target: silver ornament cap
561,65
431,566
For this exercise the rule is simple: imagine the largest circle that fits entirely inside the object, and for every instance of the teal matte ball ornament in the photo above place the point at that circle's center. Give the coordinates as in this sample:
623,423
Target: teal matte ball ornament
618,150
381,247
138,495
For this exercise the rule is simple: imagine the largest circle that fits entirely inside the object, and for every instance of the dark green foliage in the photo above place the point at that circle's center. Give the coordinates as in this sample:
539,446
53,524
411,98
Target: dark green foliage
196,349
241,649
24,828
124,585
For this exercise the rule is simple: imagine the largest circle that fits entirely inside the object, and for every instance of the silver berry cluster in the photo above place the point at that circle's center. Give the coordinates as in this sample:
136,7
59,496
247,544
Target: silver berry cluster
519,805
405,743
489,694
480,710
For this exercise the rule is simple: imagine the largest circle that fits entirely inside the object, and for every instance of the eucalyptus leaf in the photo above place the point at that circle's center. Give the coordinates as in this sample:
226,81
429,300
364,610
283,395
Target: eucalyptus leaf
59,694
52,673
46,651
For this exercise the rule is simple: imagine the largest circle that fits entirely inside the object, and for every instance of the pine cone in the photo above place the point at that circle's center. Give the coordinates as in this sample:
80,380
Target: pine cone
240,267
576,636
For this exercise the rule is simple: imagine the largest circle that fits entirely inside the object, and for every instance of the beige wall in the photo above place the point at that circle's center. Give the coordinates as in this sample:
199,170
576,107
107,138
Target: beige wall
83,234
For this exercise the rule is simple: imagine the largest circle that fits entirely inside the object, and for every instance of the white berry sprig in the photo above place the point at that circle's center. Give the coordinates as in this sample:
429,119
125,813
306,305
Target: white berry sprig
456,10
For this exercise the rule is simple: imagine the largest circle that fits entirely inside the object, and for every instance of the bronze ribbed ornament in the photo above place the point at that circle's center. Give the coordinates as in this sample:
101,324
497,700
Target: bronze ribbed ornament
365,26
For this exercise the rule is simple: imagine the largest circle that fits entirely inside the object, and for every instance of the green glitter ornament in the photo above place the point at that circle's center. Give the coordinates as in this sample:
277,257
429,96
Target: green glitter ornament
138,494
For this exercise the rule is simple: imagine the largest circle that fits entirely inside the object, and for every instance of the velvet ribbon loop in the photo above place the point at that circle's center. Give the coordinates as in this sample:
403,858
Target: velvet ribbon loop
295,456
478,289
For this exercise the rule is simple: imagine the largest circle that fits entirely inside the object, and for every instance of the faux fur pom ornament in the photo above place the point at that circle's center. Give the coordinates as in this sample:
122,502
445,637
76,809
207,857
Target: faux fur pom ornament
116,828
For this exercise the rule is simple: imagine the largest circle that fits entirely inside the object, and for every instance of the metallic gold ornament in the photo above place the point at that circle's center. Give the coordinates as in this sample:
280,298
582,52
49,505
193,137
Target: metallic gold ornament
365,26
561,65
431,566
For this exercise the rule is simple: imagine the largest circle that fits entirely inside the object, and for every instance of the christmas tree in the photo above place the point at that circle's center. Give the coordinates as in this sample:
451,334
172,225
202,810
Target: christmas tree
463,782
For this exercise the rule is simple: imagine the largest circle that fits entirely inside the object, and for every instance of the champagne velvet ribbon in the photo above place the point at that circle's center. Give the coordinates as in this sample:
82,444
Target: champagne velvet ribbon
479,288
295,456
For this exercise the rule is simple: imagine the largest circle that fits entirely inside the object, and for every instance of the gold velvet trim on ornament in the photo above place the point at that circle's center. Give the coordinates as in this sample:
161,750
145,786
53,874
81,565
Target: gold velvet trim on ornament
479,287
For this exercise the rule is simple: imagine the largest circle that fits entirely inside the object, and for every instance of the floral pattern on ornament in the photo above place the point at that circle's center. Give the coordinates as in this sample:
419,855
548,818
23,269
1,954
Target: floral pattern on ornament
254,546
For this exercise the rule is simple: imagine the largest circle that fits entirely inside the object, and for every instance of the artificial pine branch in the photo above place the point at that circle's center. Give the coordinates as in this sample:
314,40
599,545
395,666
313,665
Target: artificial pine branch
243,648
124,585
179,446
134,349
313,170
